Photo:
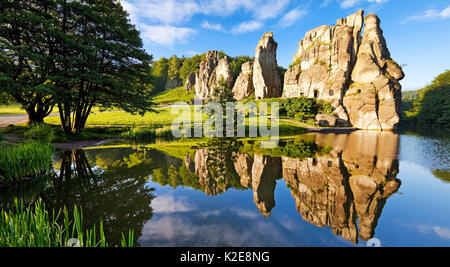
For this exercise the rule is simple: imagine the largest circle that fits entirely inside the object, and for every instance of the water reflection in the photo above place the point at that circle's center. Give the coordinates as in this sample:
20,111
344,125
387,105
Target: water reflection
345,188
340,181
115,194
352,183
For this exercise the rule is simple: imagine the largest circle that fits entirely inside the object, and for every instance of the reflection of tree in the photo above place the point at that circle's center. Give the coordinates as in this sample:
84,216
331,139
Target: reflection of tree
215,167
116,195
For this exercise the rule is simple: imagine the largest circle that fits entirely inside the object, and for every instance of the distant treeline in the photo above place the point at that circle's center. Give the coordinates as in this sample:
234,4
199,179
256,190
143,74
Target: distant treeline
428,107
166,69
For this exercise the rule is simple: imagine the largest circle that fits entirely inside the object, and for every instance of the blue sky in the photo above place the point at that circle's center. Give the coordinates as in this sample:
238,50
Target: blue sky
417,31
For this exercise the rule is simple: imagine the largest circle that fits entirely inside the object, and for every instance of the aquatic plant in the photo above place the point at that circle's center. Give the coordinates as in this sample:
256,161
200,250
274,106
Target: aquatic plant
25,160
36,227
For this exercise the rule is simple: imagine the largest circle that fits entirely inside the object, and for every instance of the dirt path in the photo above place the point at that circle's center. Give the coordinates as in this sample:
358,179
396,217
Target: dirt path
6,120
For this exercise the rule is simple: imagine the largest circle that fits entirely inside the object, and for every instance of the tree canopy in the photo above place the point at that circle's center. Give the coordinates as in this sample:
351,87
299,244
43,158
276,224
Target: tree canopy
74,54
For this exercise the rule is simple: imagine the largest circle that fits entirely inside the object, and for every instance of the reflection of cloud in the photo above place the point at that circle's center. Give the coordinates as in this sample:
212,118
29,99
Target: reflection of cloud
169,204
440,231
226,227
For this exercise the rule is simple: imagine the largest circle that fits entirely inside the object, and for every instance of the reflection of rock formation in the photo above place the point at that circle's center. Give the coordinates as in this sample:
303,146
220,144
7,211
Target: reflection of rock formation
265,171
243,165
353,182
345,189
204,174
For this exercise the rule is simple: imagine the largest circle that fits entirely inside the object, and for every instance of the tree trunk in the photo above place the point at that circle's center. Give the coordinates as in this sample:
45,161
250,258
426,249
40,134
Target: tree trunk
35,117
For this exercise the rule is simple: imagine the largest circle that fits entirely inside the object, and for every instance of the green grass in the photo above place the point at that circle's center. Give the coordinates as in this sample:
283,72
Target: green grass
36,227
173,96
162,117
25,160
11,109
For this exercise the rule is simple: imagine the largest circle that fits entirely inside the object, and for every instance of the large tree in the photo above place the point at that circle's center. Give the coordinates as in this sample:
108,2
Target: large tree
103,62
76,54
27,54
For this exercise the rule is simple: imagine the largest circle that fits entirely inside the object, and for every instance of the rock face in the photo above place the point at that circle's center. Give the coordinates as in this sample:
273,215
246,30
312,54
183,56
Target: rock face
354,73
243,87
190,82
326,120
266,77
212,70
174,83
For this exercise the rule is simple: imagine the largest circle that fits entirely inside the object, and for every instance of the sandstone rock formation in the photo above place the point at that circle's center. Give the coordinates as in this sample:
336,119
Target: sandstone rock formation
326,120
266,77
174,83
190,82
243,87
355,74
212,70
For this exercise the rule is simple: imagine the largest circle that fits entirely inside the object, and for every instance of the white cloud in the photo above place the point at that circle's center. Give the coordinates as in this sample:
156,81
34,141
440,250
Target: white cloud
154,17
165,35
292,16
169,204
209,26
430,14
270,9
162,11
352,3
349,3
247,26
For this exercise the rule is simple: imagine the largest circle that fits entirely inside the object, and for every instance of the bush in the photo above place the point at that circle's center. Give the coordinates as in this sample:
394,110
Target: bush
1,137
41,132
36,227
292,106
325,108
25,160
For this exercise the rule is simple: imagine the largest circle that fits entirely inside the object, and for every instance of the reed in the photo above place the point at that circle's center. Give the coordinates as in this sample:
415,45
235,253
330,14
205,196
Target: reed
36,227
25,160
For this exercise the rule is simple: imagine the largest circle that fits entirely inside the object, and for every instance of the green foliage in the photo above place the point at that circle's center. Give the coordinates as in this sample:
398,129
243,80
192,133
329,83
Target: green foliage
6,99
431,108
175,64
299,149
143,133
160,74
26,160
25,73
292,106
41,132
76,54
36,227
190,65
325,107
1,137
236,64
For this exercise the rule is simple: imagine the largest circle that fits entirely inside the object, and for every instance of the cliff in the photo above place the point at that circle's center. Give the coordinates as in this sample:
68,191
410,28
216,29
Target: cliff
354,73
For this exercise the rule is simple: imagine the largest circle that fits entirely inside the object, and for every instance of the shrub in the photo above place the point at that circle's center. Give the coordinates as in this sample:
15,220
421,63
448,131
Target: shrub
1,137
325,108
36,227
41,132
25,160
293,106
